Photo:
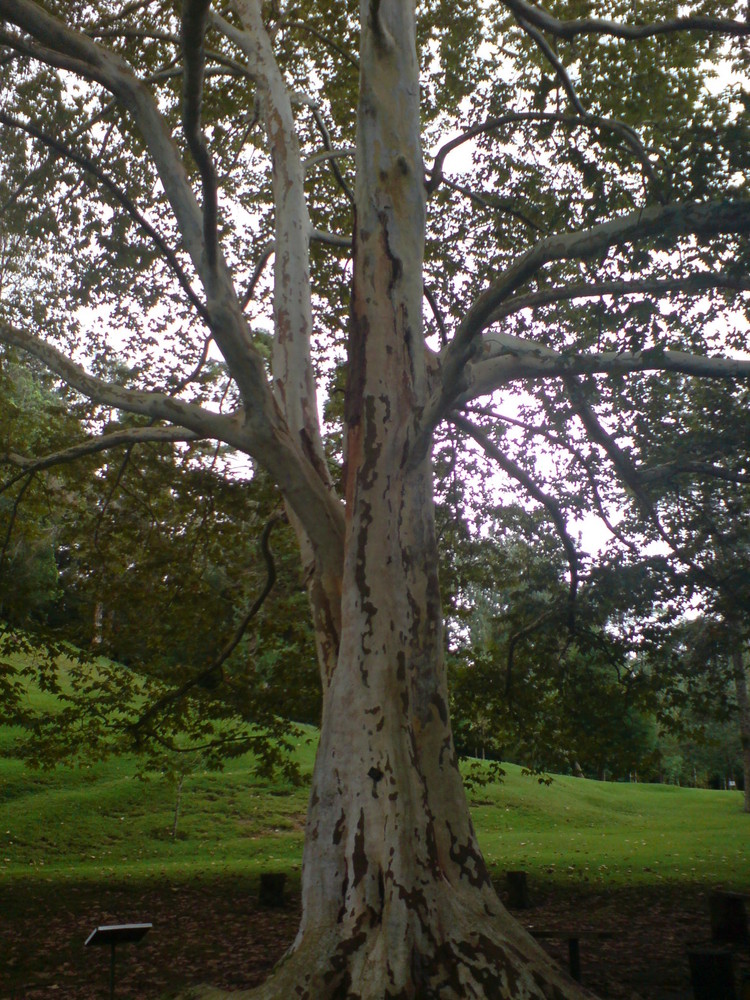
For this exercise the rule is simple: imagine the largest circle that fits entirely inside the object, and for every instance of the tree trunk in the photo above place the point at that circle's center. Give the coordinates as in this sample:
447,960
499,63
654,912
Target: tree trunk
396,898
743,706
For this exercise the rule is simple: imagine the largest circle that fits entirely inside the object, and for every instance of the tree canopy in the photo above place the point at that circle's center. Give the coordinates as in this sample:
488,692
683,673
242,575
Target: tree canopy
281,187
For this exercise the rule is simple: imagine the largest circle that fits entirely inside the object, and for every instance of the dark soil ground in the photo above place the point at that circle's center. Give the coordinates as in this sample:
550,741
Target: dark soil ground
219,933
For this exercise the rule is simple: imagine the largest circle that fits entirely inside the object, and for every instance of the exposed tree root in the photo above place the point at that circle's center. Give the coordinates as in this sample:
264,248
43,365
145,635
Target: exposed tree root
489,958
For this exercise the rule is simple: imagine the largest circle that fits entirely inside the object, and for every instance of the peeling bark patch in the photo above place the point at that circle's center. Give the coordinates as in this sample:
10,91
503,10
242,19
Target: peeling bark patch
414,898
440,705
365,590
401,666
397,268
338,830
360,863
375,774
469,861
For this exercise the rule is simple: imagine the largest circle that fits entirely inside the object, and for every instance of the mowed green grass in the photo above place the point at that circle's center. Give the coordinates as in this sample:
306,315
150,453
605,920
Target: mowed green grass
104,822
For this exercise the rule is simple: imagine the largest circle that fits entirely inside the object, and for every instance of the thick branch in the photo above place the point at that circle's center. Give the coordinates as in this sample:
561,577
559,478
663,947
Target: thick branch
507,359
694,283
160,406
670,222
294,381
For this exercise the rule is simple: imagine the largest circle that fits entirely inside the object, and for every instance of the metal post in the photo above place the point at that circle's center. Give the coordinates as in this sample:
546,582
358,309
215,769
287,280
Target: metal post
112,974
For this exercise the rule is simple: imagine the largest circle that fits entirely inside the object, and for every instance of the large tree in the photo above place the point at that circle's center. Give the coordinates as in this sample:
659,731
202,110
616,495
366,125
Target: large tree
156,158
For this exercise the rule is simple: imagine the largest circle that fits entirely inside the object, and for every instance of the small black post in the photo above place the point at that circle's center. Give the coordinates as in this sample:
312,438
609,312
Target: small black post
574,958
712,974
271,889
518,890
112,973
728,917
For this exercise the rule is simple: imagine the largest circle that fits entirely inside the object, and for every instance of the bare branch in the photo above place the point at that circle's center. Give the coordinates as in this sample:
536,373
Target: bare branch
509,359
294,381
331,239
436,312
702,219
670,470
332,154
491,125
329,154
583,461
628,473
302,26
13,516
623,131
160,406
491,204
597,26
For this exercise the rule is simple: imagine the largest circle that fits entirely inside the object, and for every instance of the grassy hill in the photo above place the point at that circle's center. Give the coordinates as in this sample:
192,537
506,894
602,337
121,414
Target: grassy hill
102,821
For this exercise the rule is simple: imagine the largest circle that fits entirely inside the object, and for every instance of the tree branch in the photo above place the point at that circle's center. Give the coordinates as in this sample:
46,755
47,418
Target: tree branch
192,34
507,359
596,26
122,198
160,406
628,472
302,26
582,460
213,672
670,470
294,381
491,204
669,222
333,155
91,446
59,45
551,506
694,283
618,128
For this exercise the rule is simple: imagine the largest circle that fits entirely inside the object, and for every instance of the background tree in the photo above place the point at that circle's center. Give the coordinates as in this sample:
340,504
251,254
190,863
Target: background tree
604,172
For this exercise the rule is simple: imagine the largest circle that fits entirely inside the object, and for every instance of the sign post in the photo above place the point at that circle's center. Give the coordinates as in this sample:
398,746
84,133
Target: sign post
112,935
